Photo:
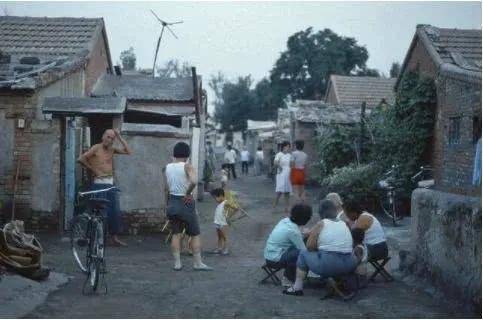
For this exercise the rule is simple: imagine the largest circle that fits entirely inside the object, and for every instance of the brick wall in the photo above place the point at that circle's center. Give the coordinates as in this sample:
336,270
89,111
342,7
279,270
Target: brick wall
15,107
98,63
454,161
421,61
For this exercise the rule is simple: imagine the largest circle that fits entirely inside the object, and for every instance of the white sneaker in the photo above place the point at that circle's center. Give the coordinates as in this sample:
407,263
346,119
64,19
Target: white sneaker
286,282
312,275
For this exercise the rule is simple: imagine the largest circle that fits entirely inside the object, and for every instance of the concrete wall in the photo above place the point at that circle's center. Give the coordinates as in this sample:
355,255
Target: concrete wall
140,178
307,133
446,240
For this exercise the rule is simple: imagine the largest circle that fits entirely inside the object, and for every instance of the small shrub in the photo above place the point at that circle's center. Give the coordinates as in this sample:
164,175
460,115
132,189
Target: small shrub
353,181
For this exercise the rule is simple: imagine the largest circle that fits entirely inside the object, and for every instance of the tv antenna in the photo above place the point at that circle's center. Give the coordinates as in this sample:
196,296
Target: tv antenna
165,25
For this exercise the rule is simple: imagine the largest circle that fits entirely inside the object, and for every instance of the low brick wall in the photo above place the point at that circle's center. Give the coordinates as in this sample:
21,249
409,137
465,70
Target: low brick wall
446,243
143,221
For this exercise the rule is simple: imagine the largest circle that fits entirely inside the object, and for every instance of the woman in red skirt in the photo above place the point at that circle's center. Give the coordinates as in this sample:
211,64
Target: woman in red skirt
298,172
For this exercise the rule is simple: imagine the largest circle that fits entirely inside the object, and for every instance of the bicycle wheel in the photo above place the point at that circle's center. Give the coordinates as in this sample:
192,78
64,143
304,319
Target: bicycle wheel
79,240
96,254
387,206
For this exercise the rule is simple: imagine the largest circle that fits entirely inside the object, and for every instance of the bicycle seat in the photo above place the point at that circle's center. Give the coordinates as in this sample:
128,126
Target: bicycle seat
98,203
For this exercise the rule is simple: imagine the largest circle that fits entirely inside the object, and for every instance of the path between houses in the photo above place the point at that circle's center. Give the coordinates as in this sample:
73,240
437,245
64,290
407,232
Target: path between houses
142,284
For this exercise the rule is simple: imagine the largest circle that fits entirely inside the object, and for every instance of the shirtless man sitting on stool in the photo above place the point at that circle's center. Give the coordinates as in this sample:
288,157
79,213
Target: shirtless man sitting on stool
98,159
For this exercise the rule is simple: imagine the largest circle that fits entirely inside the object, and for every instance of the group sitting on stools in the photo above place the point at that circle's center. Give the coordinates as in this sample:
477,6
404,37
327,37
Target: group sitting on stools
341,243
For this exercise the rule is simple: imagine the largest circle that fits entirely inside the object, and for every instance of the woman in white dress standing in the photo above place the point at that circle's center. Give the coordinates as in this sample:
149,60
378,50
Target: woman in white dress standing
282,185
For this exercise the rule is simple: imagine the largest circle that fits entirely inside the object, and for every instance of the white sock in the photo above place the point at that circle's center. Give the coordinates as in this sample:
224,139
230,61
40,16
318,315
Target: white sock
177,260
197,260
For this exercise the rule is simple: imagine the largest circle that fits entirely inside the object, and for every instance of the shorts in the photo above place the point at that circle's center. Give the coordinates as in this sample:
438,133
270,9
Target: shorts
182,216
220,226
297,177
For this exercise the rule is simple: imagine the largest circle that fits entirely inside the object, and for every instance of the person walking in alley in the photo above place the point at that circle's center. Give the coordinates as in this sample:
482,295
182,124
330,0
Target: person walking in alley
98,160
230,160
298,171
245,158
282,163
259,161
181,212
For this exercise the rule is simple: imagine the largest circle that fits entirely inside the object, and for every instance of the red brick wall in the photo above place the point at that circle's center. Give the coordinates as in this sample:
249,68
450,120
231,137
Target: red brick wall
421,61
19,107
24,107
454,162
97,65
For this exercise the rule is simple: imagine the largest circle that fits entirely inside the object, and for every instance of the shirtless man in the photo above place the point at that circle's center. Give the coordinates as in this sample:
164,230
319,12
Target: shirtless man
98,159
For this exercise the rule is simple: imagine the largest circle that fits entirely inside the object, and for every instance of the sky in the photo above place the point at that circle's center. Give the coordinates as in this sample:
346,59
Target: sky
241,38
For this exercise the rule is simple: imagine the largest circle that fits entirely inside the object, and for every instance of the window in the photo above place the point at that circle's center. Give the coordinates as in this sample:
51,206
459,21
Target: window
454,130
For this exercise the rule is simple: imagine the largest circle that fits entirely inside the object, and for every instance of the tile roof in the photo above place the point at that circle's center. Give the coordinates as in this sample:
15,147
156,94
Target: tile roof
316,111
55,46
261,125
455,52
83,105
353,90
47,38
143,87
454,44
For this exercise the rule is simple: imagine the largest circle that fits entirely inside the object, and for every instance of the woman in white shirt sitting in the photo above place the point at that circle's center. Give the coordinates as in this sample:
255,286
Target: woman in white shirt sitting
374,237
329,249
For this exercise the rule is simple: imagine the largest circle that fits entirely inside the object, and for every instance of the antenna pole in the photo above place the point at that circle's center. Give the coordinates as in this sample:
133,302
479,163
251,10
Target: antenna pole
156,53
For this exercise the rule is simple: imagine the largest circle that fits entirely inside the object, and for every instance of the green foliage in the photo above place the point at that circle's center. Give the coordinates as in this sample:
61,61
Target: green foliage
234,105
352,180
402,133
235,102
303,70
267,101
395,70
394,135
336,147
128,59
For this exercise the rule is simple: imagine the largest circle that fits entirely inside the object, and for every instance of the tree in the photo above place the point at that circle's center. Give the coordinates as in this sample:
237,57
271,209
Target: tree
395,70
302,71
175,69
128,59
267,100
234,103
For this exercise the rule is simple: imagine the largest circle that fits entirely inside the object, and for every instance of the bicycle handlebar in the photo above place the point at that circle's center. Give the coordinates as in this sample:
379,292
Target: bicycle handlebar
82,194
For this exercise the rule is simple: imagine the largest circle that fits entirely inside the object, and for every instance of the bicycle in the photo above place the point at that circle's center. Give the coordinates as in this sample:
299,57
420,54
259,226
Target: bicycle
88,237
388,196
424,177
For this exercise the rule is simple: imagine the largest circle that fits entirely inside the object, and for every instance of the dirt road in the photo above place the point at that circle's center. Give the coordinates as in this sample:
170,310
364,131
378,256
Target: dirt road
143,285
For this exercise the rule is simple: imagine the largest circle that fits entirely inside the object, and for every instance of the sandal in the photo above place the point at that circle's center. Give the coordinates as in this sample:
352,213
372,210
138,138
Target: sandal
292,292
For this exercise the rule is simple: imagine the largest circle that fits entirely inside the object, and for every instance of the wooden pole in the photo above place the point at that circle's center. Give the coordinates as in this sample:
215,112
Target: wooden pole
15,189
